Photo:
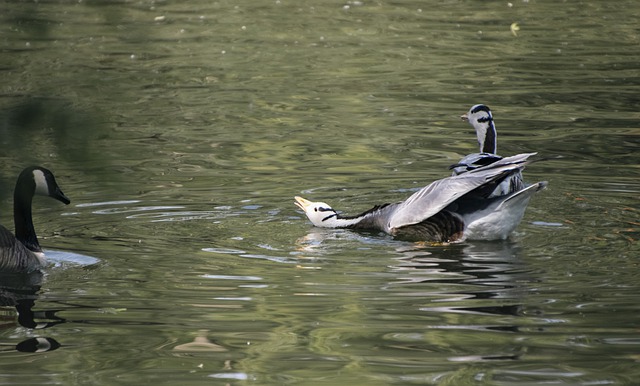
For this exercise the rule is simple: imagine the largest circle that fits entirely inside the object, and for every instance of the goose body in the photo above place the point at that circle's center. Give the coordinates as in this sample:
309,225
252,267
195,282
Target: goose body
455,208
22,252
480,118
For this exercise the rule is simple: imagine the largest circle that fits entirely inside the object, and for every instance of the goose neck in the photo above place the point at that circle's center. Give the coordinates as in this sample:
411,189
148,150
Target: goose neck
25,232
489,143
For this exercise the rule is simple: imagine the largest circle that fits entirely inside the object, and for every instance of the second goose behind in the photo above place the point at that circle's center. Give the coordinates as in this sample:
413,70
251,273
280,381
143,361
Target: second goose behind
481,119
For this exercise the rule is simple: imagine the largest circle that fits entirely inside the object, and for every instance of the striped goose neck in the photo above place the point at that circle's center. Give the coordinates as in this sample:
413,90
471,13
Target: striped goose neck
488,138
490,144
369,219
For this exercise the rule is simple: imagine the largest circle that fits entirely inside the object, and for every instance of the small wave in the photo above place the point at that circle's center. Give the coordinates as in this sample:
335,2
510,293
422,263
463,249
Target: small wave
64,257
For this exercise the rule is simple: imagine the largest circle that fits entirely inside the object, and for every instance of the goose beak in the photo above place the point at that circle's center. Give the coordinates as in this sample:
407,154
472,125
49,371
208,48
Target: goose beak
302,203
464,117
58,195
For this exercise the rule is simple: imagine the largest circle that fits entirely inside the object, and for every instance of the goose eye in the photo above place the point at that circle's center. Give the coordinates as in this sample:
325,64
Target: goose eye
315,209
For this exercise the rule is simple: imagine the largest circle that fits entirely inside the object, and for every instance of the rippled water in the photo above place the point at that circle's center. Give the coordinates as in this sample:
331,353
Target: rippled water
182,130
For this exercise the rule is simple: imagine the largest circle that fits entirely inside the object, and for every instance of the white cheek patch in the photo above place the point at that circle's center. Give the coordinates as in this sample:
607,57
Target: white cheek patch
42,187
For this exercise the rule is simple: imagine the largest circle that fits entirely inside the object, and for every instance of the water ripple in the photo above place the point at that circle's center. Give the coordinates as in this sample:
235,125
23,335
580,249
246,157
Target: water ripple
231,277
241,253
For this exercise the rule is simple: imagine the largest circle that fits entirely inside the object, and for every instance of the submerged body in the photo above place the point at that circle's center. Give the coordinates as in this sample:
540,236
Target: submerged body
22,252
452,209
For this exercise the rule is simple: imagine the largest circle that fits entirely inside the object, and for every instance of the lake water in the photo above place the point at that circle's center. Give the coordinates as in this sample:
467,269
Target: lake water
181,130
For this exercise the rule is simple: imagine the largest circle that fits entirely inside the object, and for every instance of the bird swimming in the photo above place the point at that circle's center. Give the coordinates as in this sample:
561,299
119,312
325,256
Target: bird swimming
480,118
22,252
451,209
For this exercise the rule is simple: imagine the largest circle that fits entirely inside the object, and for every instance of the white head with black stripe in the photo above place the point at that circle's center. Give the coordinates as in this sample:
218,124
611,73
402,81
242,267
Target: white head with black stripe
480,117
319,213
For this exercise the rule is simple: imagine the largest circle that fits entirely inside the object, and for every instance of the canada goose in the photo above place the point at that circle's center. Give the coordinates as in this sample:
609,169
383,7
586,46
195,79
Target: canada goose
22,252
451,209
480,118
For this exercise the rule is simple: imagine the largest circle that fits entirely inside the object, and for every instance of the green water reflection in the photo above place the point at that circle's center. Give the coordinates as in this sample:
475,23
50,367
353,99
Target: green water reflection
182,130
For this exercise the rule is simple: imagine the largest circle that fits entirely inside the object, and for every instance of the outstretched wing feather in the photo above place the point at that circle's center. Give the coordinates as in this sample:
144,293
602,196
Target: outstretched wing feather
436,196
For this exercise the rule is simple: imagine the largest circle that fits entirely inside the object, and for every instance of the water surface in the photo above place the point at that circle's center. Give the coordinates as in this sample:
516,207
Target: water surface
182,130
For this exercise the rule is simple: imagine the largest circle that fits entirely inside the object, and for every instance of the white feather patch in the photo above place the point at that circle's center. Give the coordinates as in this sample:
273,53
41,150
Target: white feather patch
42,187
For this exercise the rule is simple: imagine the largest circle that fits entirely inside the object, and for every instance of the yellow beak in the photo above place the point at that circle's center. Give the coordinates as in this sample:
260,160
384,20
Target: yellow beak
464,117
302,203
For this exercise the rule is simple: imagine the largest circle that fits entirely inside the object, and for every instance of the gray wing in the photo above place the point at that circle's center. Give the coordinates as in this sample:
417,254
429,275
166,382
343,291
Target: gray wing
436,196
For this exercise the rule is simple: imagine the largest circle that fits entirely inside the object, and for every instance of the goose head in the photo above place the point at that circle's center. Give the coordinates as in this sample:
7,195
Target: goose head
319,213
480,117
36,180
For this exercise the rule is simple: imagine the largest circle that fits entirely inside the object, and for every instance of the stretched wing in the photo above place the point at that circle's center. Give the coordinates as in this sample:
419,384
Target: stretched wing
434,197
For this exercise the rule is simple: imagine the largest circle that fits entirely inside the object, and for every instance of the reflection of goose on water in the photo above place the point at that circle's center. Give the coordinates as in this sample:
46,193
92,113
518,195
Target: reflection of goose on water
22,252
20,290
480,117
451,209
32,345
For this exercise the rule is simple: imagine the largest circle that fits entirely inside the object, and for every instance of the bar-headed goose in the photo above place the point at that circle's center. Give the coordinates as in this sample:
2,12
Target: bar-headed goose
22,252
480,118
451,209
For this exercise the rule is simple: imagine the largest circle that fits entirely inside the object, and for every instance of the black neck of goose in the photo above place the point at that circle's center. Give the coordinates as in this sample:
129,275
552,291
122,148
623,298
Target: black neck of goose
490,144
25,232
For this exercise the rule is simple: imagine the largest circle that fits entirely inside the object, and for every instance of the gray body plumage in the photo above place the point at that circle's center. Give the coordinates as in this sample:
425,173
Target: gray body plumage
14,256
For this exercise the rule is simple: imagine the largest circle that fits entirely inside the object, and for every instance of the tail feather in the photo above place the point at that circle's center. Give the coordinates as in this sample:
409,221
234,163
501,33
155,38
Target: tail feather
524,194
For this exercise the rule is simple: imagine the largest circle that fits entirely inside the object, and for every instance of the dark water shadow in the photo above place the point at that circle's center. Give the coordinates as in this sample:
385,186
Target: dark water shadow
48,131
20,291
